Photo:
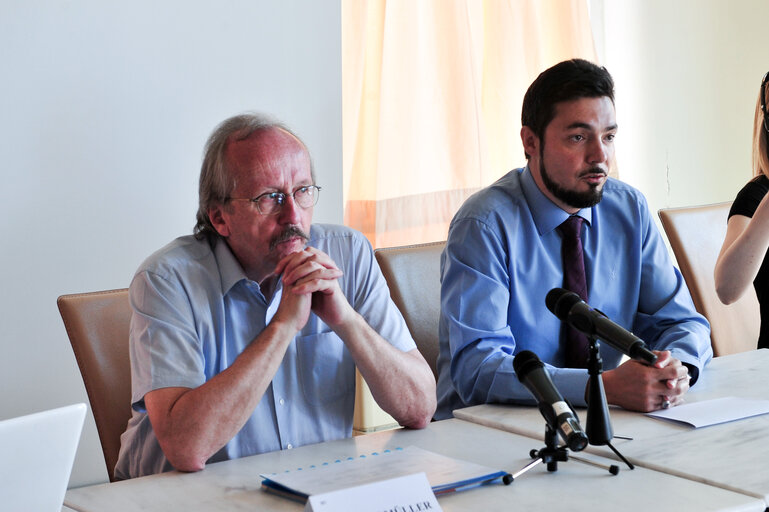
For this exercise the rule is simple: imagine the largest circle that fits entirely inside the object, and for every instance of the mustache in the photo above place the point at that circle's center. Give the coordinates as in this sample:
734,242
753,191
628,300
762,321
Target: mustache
287,234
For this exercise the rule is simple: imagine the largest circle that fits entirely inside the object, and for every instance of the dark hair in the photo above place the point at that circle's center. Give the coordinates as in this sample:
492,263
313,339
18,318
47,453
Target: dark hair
566,81
216,183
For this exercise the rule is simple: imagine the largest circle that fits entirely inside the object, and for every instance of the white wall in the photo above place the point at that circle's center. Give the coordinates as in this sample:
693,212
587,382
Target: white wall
687,75
104,110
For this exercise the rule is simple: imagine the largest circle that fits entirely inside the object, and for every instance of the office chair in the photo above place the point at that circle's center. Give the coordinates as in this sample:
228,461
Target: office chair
412,273
97,324
696,235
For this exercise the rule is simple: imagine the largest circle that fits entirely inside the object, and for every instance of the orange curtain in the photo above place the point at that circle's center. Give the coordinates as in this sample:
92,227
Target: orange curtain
432,93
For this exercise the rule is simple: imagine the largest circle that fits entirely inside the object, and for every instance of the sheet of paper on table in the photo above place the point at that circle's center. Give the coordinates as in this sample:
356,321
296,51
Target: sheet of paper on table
713,412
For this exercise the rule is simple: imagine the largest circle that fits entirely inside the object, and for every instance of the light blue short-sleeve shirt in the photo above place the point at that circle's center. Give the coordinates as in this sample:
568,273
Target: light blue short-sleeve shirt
195,311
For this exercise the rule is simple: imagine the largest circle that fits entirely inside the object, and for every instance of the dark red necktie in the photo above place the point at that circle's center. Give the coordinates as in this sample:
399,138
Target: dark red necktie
574,280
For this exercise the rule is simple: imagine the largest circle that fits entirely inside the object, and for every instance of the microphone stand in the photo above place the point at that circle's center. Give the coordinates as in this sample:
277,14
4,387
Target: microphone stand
552,454
599,431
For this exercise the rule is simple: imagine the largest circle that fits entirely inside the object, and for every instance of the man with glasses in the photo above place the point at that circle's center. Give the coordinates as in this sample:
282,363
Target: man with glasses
246,335
561,222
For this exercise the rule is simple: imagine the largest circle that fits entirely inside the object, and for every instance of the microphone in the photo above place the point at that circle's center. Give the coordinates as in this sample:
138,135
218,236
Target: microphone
533,374
570,308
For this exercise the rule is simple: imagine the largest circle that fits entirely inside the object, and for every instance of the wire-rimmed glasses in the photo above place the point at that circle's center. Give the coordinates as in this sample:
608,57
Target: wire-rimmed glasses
270,203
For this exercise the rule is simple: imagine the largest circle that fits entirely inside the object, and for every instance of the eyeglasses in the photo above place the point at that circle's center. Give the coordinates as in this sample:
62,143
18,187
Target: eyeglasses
271,203
763,100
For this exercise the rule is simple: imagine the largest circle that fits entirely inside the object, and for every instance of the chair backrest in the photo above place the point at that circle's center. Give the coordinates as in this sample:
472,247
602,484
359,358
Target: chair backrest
97,324
696,235
412,273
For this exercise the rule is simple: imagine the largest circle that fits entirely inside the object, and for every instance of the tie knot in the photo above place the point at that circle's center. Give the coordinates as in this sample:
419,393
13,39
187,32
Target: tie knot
571,227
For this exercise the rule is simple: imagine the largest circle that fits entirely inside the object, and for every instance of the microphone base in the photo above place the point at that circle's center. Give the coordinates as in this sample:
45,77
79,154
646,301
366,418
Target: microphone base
551,454
598,424
621,457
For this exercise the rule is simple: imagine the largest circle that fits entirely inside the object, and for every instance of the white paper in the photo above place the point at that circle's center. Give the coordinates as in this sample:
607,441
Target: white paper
411,492
713,412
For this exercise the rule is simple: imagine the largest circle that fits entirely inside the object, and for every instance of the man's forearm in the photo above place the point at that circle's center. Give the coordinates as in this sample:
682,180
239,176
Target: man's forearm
193,424
401,382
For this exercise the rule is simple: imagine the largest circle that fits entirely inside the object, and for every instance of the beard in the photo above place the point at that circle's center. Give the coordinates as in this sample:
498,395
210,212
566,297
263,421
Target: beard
573,198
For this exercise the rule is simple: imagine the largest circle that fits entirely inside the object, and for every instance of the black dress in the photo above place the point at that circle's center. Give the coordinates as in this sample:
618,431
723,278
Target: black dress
745,203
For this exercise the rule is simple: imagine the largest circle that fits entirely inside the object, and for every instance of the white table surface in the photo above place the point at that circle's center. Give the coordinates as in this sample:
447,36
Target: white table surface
235,485
732,455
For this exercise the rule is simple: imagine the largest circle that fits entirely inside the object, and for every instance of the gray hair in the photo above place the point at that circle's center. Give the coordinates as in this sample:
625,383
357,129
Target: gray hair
216,181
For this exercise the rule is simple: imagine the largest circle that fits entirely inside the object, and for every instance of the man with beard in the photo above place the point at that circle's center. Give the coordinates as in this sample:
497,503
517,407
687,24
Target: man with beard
507,249
245,336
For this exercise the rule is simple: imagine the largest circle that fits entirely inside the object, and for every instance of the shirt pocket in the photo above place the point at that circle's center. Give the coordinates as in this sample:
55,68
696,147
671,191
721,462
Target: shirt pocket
326,369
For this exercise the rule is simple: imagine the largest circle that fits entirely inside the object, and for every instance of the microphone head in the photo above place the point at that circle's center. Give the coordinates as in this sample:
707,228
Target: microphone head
524,362
560,301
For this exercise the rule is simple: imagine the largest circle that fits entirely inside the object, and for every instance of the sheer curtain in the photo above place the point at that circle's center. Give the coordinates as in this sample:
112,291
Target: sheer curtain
432,93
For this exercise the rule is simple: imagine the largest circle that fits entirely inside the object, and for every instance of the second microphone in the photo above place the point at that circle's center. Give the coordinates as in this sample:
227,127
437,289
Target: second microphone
532,373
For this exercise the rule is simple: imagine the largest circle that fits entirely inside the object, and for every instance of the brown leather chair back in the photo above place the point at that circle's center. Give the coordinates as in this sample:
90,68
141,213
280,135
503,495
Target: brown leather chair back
97,324
412,273
696,235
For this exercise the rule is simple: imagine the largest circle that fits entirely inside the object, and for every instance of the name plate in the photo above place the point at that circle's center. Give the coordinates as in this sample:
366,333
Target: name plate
410,493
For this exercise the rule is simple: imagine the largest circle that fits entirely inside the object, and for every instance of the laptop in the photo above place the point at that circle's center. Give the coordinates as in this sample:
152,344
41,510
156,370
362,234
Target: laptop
36,456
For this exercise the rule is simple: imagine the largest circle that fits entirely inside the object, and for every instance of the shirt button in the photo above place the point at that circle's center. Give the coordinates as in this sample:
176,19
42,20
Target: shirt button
289,446
282,402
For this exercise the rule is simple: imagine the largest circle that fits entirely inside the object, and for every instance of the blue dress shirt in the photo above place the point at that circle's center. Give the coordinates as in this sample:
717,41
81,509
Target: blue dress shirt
503,255
195,311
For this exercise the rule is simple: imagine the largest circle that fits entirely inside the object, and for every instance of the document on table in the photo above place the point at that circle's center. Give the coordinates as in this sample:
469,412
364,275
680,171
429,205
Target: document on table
713,412
445,474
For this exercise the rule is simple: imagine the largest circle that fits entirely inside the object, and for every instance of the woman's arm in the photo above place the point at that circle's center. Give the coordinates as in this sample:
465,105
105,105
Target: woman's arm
744,249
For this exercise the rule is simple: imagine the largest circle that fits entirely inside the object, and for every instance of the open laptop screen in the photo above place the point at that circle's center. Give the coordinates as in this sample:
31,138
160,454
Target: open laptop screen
36,456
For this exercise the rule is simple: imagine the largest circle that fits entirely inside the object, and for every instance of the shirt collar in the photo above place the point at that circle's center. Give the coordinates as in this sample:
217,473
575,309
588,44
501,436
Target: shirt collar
546,214
230,270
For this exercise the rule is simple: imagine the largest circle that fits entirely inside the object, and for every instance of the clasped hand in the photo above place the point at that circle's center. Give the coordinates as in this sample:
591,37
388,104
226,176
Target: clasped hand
310,283
640,387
